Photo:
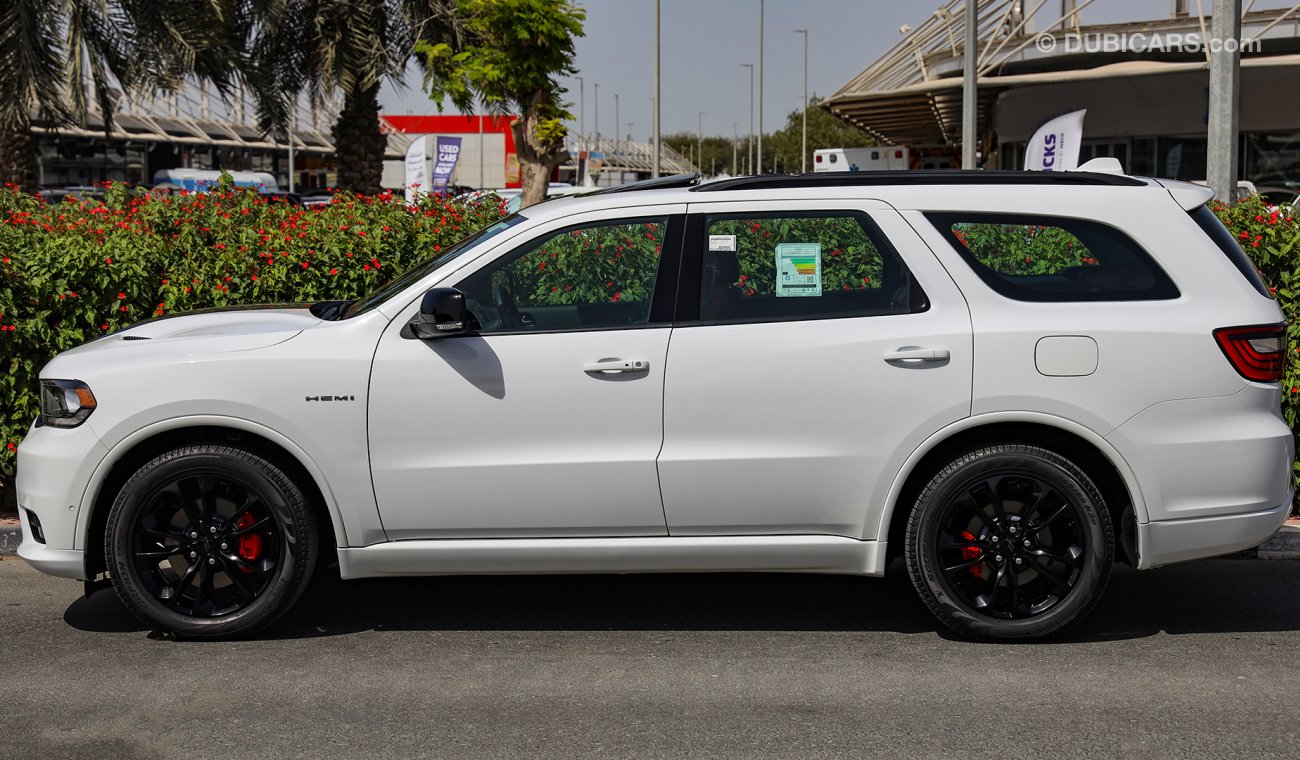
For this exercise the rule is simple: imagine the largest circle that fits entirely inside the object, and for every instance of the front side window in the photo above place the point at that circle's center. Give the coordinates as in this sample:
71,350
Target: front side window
1033,258
594,275
800,265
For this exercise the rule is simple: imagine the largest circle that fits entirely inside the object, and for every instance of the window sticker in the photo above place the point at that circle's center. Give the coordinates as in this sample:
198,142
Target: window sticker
798,269
722,243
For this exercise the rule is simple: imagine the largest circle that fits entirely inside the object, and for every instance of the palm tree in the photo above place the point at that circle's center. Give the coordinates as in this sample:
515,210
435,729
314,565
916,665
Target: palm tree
324,47
52,52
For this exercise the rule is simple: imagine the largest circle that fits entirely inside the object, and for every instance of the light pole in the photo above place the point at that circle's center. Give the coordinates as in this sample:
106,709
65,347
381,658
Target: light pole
969,104
582,113
596,107
699,140
654,171
750,142
735,143
803,153
762,14
617,141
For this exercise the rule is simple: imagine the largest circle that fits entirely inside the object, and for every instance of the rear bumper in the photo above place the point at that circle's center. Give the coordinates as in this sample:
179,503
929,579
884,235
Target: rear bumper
1169,541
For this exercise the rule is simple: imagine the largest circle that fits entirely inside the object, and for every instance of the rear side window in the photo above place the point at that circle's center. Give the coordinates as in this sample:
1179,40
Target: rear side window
1042,258
800,265
1207,221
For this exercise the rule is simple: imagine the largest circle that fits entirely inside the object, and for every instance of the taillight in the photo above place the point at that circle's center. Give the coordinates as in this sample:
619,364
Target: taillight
1257,352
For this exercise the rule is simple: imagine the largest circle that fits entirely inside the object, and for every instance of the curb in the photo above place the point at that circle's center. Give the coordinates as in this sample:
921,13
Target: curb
10,537
1285,544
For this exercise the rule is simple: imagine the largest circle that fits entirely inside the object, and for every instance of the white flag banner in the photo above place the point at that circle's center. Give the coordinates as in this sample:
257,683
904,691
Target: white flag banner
417,174
1055,146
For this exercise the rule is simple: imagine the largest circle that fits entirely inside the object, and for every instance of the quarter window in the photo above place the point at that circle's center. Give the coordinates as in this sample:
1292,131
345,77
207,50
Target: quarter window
594,275
1054,258
800,266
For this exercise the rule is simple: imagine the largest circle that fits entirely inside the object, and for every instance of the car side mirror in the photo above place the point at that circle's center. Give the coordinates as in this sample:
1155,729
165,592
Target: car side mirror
442,314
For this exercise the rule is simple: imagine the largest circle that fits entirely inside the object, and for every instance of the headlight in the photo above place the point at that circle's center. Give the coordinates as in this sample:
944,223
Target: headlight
65,403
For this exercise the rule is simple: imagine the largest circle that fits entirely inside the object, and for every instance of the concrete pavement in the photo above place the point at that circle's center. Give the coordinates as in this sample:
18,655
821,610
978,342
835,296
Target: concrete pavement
1194,660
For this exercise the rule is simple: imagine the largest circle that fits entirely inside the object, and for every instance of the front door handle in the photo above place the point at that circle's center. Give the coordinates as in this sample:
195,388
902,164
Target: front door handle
918,355
616,366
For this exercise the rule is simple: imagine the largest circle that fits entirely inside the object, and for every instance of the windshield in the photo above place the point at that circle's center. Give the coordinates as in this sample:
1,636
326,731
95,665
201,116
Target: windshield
392,287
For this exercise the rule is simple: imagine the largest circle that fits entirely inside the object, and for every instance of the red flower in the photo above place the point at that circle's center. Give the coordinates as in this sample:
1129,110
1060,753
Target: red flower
121,296
334,271
306,264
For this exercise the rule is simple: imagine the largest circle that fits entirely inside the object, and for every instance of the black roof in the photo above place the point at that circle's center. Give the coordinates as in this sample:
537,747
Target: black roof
916,177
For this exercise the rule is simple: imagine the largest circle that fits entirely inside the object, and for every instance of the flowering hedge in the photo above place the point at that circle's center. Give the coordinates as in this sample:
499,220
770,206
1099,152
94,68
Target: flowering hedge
1272,239
75,270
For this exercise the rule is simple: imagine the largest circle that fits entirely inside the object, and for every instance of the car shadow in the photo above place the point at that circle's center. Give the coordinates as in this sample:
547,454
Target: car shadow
1214,596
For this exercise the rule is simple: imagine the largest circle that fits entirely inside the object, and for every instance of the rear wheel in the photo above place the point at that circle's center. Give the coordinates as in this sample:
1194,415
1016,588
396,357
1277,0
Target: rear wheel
210,541
1010,542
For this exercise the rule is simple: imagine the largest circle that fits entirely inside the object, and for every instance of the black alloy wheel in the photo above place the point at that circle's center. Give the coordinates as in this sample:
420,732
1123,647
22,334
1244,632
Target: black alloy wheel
210,541
1010,542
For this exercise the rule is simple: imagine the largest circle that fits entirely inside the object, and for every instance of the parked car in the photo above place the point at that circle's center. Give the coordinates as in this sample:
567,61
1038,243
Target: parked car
1008,380
80,192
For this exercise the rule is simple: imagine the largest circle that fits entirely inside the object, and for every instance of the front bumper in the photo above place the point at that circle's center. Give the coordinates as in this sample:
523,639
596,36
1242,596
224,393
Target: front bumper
54,468
1169,541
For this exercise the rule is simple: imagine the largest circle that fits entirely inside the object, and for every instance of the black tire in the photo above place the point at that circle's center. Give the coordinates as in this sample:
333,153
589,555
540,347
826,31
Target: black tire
1039,504
210,541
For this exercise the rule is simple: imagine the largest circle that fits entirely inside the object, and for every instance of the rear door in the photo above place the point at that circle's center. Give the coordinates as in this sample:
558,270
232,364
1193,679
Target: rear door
816,345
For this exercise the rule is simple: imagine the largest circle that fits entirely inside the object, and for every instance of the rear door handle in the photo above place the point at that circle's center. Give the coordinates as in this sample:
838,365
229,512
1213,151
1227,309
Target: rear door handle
917,355
616,366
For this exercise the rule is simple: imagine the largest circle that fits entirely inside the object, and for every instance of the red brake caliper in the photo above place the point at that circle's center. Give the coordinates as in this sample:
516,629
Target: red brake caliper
968,553
250,545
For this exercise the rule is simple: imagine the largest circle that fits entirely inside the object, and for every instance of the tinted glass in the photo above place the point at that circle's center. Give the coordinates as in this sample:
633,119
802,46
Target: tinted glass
799,266
1034,258
588,276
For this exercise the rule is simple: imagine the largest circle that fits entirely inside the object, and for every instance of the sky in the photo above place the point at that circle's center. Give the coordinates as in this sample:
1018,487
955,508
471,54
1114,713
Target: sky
704,43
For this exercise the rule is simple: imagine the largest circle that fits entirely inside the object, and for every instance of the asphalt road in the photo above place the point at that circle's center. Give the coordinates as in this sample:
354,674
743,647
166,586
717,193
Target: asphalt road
1199,660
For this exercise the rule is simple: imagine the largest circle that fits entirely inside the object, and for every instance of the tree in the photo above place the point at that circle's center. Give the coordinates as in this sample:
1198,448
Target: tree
714,152
780,148
321,47
52,52
825,130
514,52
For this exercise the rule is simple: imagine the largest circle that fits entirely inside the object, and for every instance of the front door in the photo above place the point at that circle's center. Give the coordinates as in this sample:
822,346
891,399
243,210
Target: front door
547,422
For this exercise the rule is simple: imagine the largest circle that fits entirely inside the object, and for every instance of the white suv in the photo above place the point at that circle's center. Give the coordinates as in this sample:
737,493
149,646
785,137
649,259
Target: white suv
1007,379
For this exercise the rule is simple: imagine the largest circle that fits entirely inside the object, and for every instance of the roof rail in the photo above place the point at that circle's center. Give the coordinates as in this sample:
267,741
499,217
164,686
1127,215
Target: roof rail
916,177
660,183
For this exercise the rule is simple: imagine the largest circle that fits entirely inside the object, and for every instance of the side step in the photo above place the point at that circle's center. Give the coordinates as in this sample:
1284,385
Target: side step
657,554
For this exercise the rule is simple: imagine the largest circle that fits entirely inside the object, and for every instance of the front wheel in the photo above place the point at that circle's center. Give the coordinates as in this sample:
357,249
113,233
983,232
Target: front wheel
210,541
1010,542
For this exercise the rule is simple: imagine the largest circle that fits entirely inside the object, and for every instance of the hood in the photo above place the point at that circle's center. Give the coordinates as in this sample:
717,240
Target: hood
235,328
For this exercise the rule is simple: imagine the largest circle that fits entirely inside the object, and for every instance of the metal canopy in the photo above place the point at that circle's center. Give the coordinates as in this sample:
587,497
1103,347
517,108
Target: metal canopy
912,94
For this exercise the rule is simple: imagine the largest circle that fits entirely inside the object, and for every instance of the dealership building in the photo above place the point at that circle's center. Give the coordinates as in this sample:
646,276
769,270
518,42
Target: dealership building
1145,86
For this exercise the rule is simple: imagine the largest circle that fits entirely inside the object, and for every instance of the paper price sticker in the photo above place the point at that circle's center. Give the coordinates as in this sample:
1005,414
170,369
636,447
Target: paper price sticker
722,243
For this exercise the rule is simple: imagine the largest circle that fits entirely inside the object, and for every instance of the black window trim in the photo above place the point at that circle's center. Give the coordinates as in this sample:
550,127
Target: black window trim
692,265
1224,241
1164,289
662,300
